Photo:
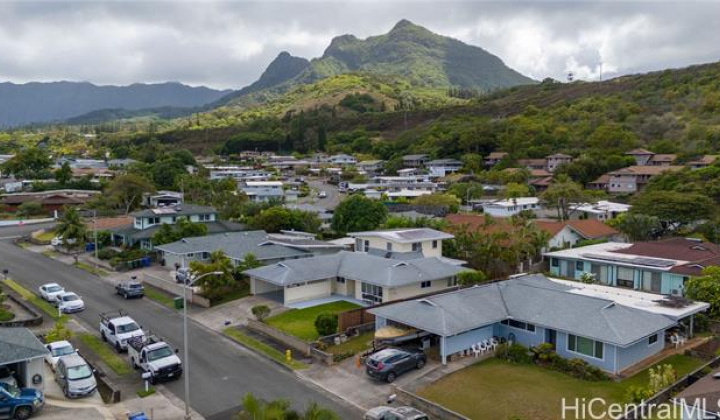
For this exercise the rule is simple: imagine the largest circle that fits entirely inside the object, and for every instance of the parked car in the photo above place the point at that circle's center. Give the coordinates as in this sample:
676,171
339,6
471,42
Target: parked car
58,241
50,291
322,194
130,289
117,328
182,275
399,413
75,376
154,356
69,302
20,403
58,349
388,364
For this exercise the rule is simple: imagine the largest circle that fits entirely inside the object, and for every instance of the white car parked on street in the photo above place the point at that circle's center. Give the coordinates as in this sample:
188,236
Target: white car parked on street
57,350
69,302
50,291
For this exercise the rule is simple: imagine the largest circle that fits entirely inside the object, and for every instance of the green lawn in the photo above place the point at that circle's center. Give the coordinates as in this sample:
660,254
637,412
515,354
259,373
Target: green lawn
35,300
354,345
106,354
261,347
160,296
91,269
496,389
301,322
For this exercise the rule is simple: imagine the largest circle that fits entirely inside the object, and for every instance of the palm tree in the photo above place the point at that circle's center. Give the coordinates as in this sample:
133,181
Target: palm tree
70,228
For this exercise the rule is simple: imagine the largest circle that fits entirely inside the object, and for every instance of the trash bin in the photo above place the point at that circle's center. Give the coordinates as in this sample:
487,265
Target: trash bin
178,303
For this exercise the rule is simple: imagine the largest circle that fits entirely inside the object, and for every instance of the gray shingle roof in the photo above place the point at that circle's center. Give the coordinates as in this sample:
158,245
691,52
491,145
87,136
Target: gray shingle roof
356,266
18,344
220,226
534,299
184,210
236,245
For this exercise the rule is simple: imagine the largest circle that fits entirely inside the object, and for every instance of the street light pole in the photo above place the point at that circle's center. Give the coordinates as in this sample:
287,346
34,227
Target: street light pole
97,260
185,340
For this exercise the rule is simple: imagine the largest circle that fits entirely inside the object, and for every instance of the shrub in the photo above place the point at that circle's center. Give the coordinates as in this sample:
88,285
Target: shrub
58,333
326,324
30,208
260,312
582,370
545,352
513,353
636,394
107,253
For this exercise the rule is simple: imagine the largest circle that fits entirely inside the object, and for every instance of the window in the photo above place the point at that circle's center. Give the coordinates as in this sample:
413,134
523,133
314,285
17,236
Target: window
519,325
205,255
652,281
372,293
435,244
452,281
579,266
425,284
366,246
626,277
417,247
652,339
153,220
204,217
388,246
585,346
555,262
340,279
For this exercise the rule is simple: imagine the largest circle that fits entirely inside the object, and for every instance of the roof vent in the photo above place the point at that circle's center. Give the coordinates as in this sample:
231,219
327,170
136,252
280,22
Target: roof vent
183,240
427,302
401,264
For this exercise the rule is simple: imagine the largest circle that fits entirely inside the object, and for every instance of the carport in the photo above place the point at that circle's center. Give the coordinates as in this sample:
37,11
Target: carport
22,354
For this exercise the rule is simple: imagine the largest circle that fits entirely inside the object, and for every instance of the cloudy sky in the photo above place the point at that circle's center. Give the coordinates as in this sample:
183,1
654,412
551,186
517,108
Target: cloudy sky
228,44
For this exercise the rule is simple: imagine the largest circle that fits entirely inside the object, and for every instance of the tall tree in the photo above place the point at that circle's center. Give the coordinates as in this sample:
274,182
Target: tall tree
674,209
127,191
32,162
64,174
562,193
358,213
214,286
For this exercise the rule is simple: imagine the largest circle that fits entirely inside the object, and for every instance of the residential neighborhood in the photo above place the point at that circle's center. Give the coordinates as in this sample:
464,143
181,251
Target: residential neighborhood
395,210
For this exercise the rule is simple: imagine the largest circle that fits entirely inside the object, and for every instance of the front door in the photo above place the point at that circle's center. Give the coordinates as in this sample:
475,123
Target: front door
551,337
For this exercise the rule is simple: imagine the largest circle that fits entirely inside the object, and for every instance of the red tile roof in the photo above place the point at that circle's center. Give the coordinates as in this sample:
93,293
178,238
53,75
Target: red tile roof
104,223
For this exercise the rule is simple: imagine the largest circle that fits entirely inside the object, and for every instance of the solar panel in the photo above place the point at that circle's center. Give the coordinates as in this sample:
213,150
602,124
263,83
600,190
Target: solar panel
650,262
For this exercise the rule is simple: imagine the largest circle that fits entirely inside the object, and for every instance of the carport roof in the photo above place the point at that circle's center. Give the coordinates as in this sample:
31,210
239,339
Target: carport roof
534,299
19,344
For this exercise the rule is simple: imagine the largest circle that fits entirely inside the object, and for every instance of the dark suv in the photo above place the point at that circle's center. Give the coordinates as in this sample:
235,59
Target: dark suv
388,364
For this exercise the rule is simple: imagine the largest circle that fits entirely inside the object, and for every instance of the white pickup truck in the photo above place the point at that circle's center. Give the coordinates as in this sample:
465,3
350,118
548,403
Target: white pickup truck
117,328
152,355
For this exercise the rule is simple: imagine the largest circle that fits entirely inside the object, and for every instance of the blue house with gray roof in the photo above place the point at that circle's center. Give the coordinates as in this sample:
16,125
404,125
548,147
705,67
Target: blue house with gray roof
531,310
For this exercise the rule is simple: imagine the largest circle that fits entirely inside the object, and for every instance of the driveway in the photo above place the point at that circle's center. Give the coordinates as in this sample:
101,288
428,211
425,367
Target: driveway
351,381
234,313
222,372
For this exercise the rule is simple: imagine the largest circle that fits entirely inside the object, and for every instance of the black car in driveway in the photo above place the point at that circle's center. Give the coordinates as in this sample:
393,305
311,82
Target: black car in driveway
388,364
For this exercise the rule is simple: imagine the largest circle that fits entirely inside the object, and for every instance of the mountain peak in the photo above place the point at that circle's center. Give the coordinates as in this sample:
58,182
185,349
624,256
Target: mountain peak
403,23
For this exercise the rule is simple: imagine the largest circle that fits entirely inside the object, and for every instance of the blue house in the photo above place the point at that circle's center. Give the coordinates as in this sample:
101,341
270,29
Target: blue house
657,267
532,309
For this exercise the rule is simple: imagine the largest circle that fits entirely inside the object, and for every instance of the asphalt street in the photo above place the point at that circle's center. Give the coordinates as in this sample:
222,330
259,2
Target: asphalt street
329,202
221,372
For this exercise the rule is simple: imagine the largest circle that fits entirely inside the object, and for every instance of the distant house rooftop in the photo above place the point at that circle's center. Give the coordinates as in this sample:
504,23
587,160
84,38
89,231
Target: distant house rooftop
405,235
183,210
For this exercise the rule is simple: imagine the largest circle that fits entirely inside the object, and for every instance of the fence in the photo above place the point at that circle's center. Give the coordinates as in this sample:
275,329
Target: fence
667,393
434,411
292,342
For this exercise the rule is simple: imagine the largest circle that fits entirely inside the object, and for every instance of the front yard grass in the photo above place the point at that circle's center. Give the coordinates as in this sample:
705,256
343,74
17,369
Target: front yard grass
160,296
35,300
301,322
354,345
237,336
106,354
497,389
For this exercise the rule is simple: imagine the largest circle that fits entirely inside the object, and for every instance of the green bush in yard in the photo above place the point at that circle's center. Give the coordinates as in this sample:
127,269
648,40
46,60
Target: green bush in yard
260,312
326,324
107,253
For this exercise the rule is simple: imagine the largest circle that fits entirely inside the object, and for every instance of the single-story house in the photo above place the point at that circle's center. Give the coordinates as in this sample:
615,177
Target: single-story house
357,276
531,310
657,267
569,233
236,245
511,207
51,201
22,353
603,210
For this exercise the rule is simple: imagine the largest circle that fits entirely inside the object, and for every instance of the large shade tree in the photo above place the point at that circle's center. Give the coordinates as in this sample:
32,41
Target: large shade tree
358,213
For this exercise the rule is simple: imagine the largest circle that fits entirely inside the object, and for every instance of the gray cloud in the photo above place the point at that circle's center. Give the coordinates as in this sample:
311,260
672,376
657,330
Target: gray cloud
228,44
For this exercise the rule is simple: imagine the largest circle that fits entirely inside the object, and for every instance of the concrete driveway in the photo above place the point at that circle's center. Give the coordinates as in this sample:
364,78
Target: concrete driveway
351,382
236,312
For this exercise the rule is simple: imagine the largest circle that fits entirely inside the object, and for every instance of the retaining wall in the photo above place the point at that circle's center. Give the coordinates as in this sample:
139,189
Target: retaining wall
434,411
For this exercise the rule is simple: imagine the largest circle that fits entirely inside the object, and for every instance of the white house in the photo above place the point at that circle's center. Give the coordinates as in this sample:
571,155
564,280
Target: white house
603,210
342,159
442,167
511,207
263,190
